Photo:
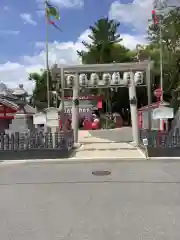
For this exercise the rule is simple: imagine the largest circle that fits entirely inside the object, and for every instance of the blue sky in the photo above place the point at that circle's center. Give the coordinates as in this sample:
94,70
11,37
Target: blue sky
74,20
22,31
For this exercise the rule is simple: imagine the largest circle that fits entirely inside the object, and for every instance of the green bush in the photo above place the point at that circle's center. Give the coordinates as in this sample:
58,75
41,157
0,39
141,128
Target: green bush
107,124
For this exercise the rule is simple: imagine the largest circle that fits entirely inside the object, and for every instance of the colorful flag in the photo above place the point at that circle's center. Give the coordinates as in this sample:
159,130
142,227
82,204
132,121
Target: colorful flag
52,12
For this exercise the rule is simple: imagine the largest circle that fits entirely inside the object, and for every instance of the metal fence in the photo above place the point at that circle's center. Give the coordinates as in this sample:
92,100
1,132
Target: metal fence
36,140
161,139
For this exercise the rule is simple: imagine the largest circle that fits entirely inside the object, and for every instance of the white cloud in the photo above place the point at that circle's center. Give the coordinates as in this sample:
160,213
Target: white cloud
84,36
63,3
131,41
27,18
12,73
9,32
135,14
69,3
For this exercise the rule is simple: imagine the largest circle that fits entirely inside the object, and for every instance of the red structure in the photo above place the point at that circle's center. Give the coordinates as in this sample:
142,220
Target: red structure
143,113
87,101
87,104
7,112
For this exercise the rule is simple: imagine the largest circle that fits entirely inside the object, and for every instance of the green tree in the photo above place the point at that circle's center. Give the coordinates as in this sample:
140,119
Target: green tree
39,96
105,47
171,48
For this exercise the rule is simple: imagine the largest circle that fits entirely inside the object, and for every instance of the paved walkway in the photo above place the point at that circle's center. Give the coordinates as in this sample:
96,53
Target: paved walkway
123,134
102,146
86,137
106,135
108,150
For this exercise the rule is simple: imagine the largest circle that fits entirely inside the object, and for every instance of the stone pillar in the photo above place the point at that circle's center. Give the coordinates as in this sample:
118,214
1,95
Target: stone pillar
133,108
52,121
19,123
75,109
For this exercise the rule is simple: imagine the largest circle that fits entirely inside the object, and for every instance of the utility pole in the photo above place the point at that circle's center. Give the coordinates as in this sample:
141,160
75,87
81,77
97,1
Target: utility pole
47,54
62,117
161,60
159,7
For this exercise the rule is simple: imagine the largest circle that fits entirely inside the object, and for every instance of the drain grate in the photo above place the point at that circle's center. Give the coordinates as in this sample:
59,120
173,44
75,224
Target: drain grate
101,173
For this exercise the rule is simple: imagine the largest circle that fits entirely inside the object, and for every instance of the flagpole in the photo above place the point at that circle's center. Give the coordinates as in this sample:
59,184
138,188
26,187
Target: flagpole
47,54
161,60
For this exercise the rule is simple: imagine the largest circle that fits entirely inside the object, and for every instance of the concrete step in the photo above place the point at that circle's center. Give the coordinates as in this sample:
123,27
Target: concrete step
94,140
106,146
111,154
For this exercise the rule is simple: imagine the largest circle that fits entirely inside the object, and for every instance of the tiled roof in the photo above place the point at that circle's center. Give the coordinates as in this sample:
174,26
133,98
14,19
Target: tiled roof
29,109
15,106
9,103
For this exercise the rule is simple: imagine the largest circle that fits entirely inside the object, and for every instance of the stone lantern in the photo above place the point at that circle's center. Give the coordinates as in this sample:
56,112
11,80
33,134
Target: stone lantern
22,122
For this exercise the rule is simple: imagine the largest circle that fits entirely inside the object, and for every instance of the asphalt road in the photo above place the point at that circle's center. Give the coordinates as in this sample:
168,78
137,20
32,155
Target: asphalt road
139,201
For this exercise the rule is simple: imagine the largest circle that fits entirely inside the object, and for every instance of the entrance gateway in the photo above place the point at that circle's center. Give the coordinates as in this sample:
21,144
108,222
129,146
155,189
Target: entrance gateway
77,77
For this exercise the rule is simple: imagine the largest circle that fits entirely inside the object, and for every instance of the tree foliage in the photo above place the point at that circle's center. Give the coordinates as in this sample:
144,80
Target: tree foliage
39,97
171,47
104,46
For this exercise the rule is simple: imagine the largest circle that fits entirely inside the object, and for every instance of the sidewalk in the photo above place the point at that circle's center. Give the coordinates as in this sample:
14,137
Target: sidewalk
100,148
108,151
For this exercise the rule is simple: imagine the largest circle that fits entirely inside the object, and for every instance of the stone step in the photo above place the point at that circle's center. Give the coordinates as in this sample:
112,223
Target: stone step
124,154
105,146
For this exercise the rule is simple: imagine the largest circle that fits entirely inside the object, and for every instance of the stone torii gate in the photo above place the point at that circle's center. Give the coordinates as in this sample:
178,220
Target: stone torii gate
72,73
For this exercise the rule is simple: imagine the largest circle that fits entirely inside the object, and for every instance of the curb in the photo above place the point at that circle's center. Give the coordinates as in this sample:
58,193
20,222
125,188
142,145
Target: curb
87,160
163,158
72,160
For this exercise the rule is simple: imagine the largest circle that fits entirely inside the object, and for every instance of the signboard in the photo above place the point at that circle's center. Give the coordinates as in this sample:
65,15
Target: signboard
39,118
51,113
162,113
81,110
52,123
52,119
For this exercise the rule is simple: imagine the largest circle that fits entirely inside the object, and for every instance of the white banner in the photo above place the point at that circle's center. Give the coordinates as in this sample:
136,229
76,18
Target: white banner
162,113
